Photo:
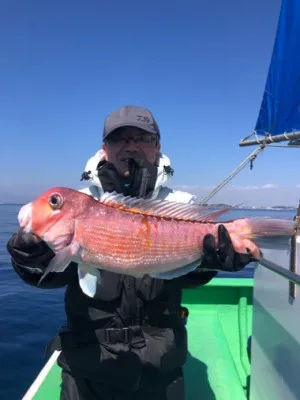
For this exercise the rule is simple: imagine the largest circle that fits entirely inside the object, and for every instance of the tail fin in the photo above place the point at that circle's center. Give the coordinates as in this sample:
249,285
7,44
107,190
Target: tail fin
252,228
254,234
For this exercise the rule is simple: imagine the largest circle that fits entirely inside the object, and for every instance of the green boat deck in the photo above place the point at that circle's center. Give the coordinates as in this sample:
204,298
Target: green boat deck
219,325
218,329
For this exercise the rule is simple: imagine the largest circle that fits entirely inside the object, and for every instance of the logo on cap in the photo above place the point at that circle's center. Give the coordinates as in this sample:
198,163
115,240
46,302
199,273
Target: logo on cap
142,118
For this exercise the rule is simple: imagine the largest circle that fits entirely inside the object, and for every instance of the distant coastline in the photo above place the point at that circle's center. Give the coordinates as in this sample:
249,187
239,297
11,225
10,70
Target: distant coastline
243,207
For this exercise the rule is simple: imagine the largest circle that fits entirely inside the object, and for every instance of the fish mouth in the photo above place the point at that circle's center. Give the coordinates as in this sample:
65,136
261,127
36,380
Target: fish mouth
25,218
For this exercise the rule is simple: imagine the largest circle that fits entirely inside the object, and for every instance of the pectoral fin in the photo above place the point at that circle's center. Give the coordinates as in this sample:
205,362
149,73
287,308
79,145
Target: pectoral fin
89,277
61,260
176,273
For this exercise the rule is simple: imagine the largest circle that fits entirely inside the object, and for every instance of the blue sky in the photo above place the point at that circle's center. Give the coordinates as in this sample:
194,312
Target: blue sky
199,65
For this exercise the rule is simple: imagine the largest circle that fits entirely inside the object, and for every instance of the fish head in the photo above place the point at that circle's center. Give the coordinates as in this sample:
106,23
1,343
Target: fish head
51,217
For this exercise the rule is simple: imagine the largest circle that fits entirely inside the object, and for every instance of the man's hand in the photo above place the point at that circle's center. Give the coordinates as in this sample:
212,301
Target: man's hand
225,258
28,250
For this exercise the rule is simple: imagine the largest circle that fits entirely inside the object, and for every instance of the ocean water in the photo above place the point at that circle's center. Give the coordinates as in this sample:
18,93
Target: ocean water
29,317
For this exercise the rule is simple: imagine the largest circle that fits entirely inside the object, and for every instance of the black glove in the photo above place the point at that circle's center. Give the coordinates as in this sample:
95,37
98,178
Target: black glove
139,183
225,258
29,251
142,175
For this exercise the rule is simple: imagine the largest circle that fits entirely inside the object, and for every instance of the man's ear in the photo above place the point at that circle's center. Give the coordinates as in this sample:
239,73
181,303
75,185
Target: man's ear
105,151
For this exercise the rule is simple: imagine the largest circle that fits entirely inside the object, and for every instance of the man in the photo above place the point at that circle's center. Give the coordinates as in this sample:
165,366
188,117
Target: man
127,339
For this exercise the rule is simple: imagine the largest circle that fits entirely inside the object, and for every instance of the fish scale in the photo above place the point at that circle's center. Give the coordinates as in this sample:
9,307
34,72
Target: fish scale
147,240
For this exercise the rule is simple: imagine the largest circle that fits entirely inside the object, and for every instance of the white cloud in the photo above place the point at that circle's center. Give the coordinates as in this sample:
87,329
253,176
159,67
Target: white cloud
298,186
193,187
246,187
270,186
256,187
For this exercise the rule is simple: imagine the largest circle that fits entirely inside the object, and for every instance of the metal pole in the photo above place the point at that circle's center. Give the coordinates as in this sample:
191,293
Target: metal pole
268,139
285,273
250,158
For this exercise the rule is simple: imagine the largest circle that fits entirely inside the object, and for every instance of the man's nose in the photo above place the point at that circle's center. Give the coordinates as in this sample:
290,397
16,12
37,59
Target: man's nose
130,144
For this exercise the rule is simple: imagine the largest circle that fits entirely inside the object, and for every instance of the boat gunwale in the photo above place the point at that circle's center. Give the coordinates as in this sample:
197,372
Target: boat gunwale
36,384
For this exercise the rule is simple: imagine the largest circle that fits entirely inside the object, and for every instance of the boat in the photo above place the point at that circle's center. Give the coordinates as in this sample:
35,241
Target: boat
219,326
243,332
275,344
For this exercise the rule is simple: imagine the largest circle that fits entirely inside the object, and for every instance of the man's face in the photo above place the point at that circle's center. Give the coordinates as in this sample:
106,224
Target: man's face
121,144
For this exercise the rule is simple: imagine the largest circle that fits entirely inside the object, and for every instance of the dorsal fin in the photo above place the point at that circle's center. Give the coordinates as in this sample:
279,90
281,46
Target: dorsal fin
161,208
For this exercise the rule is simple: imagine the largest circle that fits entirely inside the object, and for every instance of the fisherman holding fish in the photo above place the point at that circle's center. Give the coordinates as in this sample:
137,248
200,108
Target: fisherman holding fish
125,336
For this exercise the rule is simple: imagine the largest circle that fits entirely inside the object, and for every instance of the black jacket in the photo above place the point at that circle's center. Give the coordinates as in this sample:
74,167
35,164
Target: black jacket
154,336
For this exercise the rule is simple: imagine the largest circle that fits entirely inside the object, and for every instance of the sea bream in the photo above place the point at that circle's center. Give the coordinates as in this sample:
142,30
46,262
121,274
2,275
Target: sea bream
133,236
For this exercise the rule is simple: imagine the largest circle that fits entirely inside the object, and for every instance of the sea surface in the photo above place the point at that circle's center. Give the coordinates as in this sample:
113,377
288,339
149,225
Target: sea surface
29,316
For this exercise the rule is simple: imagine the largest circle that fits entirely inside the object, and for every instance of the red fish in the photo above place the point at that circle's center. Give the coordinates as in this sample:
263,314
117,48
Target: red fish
134,236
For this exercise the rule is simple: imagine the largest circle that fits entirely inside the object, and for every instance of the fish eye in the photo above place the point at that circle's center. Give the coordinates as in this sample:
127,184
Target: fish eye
56,201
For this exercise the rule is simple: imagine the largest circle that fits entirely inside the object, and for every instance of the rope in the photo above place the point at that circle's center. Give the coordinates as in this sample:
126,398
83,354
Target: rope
250,159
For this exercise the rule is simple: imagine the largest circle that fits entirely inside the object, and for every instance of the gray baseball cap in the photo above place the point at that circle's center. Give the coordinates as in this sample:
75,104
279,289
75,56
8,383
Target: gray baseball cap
138,117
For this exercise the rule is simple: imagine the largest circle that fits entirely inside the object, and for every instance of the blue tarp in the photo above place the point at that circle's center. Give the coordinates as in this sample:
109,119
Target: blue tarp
280,108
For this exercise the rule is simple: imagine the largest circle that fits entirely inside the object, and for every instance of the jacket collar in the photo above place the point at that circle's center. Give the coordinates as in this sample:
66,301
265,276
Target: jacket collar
163,175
